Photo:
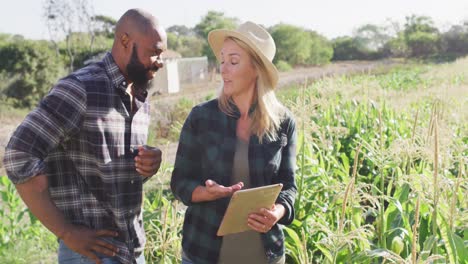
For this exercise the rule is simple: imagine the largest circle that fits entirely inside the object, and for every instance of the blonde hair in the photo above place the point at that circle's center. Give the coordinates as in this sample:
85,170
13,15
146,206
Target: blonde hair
266,117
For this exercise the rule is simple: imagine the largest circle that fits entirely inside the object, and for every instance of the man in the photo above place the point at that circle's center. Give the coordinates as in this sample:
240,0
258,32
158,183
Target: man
79,161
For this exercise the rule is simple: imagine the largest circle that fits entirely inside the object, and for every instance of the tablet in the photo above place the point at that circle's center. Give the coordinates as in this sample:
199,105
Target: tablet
244,202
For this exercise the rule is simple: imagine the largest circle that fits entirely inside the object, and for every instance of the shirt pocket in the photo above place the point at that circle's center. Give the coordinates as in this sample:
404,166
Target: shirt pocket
273,155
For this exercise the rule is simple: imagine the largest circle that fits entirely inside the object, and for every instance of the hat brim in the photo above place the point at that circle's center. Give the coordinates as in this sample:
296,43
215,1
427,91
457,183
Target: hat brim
216,40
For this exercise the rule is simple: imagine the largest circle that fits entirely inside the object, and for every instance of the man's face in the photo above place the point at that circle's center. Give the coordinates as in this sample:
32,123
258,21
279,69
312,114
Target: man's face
138,73
145,59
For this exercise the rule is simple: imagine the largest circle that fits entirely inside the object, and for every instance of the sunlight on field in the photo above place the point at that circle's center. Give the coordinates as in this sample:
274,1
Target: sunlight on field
382,161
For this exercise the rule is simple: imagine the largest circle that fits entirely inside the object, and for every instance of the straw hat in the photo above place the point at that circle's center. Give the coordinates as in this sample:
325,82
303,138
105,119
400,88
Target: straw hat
256,37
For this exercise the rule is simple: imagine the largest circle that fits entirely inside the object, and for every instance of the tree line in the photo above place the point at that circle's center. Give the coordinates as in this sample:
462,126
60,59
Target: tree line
28,68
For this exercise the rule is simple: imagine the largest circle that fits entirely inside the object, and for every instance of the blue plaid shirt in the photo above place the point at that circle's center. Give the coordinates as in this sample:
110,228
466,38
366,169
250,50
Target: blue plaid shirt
206,151
82,137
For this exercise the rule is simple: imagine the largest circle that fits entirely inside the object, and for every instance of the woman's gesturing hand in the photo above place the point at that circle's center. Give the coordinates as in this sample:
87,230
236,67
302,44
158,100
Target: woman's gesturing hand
213,191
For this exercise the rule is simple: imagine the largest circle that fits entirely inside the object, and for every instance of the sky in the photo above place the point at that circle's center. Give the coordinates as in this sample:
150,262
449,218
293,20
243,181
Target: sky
331,18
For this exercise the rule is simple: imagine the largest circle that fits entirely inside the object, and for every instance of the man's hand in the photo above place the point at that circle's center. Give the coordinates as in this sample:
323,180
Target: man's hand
87,242
263,220
148,160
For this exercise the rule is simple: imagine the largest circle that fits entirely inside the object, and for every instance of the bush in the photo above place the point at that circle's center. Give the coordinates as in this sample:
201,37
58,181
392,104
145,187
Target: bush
33,67
321,50
292,44
349,48
423,44
283,66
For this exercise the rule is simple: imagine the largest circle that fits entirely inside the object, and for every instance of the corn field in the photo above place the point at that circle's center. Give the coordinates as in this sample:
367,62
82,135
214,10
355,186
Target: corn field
382,162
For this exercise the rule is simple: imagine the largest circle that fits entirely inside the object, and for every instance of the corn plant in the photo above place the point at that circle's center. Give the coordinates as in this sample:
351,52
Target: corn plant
21,232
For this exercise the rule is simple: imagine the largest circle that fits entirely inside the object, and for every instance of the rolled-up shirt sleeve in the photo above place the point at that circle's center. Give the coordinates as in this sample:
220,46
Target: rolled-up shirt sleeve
187,167
286,174
57,117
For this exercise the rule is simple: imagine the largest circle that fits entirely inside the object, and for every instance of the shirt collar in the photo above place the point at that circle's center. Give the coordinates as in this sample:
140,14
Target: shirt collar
117,77
236,113
114,72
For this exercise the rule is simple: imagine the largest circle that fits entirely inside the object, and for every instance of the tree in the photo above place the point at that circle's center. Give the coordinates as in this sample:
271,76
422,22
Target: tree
104,25
180,30
32,68
213,20
455,40
186,45
293,44
321,50
421,36
422,44
65,17
396,47
372,37
191,46
346,48
185,41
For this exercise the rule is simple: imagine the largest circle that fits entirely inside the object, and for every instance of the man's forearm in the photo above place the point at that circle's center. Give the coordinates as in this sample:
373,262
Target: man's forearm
35,194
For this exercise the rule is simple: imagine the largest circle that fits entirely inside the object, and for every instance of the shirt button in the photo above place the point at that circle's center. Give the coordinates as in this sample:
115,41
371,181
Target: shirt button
132,181
131,211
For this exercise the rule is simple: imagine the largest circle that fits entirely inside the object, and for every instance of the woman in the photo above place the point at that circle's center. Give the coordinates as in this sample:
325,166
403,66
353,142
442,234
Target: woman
243,139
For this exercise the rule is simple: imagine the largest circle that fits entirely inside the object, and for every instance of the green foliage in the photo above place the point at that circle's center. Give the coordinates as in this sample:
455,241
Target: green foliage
371,189
180,30
169,130
163,219
455,40
366,191
32,67
283,66
352,48
20,231
292,44
422,37
79,47
186,45
416,24
372,37
396,47
422,43
297,46
321,50
213,20
104,26
403,78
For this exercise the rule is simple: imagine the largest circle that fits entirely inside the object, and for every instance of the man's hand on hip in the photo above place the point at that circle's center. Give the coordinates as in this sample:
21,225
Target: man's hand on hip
87,242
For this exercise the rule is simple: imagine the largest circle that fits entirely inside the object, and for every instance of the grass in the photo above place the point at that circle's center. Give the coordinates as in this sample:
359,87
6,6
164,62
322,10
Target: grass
382,161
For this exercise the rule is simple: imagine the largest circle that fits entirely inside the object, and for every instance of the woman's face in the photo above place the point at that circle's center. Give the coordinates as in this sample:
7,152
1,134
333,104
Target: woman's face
238,72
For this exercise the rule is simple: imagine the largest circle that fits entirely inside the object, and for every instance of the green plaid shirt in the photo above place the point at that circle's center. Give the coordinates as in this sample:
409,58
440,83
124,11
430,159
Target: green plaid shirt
206,151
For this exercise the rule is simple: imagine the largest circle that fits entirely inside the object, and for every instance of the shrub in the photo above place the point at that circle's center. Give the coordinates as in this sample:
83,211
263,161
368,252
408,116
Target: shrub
33,67
283,66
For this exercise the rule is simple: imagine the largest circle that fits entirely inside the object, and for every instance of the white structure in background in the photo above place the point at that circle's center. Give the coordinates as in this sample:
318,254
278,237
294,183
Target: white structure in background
176,74
172,77
179,72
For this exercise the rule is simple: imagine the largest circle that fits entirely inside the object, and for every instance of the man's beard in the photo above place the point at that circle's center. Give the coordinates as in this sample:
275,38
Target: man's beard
138,73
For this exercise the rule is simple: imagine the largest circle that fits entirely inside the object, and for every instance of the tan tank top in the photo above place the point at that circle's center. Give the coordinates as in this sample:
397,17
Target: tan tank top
246,247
